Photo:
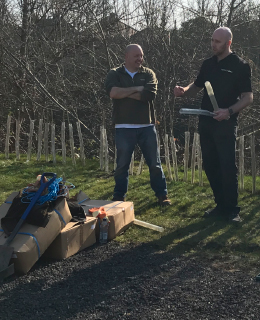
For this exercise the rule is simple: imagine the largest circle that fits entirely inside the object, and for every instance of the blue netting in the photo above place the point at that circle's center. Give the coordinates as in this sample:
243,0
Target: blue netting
56,189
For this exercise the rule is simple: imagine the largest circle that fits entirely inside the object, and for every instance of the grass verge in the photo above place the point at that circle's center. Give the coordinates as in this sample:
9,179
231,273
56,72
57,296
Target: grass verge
186,231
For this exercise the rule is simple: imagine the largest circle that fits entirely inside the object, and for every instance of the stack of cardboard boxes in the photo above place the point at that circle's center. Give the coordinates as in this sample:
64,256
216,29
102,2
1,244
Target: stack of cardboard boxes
62,238
78,236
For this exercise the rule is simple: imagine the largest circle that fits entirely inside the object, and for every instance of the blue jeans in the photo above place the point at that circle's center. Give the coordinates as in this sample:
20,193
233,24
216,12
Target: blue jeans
126,140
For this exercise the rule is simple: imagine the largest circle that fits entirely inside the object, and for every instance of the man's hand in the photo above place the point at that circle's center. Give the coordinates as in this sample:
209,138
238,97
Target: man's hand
221,114
178,91
190,91
245,100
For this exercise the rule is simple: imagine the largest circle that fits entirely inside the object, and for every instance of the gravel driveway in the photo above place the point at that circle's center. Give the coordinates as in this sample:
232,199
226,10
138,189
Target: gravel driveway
130,282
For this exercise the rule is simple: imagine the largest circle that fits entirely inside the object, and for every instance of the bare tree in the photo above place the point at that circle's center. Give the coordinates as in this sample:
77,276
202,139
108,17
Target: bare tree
69,46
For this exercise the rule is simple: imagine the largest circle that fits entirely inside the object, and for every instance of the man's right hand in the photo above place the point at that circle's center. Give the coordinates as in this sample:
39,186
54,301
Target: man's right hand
178,91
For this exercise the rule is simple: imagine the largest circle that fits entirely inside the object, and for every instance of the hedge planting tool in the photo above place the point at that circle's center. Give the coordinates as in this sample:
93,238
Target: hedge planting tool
201,112
197,112
211,95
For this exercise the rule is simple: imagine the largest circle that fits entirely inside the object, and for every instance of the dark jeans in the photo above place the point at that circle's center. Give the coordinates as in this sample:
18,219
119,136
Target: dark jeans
126,140
218,145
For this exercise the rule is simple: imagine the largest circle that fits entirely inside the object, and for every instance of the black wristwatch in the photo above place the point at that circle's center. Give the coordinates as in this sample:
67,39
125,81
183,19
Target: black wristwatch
230,110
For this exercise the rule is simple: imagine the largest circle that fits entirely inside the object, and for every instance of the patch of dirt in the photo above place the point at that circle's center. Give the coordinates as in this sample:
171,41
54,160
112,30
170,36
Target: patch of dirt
116,281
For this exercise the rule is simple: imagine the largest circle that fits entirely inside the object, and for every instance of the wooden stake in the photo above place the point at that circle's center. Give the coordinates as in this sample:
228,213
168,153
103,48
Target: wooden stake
81,143
193,158
186,155
17,139
101,150
167,157
39,138
115,158
132,163
253,162
7,139
140,167
63,142
241,162
72,144
53,151
106,158
29,151
46,141
174,158
199,161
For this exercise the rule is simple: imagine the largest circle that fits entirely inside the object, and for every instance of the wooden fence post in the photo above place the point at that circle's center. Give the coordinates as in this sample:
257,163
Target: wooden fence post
253,162
186,155
39,137
53,143
193,157
106,158
81,143
63,142
174,158
72,144
46,141
8,125
167,157
115,158
199,161
101,150
241,162
140,167
132,163
17,139
29,151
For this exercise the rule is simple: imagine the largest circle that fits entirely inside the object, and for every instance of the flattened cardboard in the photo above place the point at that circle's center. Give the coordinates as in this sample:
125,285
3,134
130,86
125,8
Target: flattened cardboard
81,196
72,239
31,241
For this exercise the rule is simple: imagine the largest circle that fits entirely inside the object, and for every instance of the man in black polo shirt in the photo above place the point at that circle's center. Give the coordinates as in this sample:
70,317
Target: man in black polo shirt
230,77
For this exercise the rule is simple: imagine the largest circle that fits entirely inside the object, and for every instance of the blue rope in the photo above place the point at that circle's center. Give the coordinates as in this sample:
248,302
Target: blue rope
59,214
56,189
31,235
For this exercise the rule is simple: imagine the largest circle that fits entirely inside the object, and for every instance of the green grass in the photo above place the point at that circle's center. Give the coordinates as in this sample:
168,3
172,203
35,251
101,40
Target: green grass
186,231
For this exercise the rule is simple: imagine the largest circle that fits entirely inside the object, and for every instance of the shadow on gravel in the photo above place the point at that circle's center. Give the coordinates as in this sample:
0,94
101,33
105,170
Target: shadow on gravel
134,282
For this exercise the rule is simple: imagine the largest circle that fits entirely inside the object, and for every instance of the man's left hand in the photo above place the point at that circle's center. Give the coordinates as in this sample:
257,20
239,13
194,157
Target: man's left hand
221,114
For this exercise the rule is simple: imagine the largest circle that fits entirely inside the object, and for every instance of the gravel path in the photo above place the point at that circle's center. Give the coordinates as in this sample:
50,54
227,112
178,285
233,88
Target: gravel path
129,282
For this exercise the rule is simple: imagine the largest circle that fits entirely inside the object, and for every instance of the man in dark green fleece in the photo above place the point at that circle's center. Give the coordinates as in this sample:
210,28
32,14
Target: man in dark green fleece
132,88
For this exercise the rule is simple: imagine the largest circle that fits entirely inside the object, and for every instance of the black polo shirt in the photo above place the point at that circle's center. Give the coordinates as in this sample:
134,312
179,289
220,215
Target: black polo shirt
229,78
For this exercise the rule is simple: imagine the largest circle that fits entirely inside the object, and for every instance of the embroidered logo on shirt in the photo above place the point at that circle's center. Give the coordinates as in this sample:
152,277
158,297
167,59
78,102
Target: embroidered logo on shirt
227,70
142,79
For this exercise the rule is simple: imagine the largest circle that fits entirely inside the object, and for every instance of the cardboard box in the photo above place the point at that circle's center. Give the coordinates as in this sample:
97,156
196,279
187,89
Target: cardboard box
32,241
75,237
120,214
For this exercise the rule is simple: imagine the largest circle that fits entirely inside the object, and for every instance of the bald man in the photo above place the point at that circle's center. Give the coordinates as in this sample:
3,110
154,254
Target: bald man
230,77
132,89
